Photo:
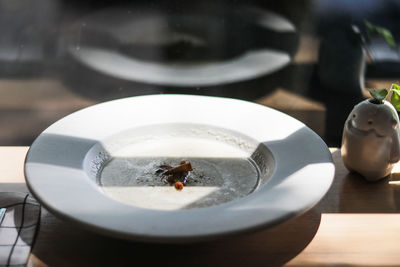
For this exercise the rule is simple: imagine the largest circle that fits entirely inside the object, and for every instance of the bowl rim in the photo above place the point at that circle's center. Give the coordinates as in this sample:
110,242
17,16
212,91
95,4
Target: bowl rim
303,170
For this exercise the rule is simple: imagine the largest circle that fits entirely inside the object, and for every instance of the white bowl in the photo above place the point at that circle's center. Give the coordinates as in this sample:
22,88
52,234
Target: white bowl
254,167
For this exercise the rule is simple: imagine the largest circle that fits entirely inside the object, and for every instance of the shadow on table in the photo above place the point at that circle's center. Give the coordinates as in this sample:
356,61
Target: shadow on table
356,195
61,244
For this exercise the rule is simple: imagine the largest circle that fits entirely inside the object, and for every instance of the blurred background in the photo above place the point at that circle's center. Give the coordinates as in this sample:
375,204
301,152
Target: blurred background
313,60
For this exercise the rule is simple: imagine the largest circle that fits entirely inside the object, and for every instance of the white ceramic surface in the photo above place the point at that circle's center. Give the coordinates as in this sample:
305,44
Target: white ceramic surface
371,142
127,28
245,67
63,164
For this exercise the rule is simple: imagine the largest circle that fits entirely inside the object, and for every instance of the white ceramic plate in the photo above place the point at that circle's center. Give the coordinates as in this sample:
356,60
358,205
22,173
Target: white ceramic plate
245,67
254,167
126,28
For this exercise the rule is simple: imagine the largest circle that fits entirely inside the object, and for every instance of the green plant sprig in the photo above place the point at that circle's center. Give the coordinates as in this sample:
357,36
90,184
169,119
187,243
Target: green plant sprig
380,31
383,94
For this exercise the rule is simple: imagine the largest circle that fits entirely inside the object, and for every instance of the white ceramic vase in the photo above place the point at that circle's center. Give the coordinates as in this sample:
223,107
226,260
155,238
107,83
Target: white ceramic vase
370,144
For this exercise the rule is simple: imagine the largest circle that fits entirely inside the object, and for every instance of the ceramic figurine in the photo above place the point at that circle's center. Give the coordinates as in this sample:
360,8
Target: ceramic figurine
370,144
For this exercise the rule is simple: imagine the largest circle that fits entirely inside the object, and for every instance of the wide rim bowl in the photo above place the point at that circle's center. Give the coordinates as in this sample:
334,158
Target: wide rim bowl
56,175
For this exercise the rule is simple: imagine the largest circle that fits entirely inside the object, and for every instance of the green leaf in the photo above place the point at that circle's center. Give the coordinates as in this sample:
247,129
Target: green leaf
379,94
395,99
395,87
383,32
387,35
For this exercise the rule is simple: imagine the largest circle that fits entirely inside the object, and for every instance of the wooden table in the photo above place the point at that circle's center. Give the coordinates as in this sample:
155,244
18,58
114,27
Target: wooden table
357,223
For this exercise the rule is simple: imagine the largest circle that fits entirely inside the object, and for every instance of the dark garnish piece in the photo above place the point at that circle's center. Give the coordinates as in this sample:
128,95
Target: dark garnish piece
162,168
178,175
185,167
